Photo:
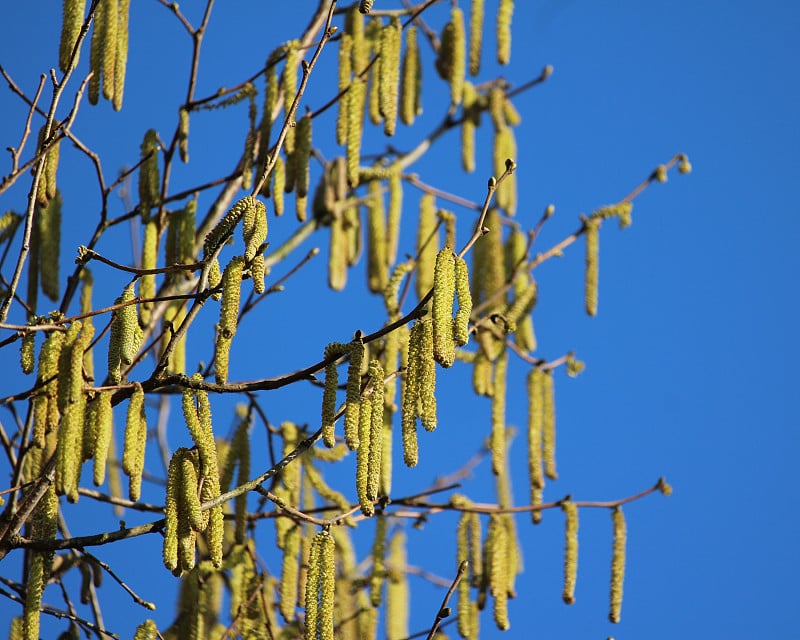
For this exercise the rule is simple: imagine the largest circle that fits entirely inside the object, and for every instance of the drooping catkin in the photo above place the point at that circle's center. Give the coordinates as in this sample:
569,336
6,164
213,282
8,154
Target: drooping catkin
44,524
617,564
592,229
410,400
290,572
146,631
278,185
377,262
229,315
505,150
444,287
355,124
334,349
345,77
374,33
111,33
378,553
549,426
254,227
121,54
302,155
457,57
475,36
351,415
47,179
149,181
461,320
170,546
497,440
320,588
427,244
504,12
338,252
376,404
96,53
411,80
135,442
397,590
496,562
183,134
570,510
147,284
468,126
71,24
188,491
49,225
103,431
125,336
395,212
389,74
289,87
271,94
488,267
45,404
27,352
426,378
468,549
362,458
535,383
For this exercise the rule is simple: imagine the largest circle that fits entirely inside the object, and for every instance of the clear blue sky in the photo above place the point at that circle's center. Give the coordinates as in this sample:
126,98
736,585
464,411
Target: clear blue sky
691,363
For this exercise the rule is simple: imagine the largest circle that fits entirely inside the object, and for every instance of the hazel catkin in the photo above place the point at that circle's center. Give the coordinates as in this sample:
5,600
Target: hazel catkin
617,564
444,284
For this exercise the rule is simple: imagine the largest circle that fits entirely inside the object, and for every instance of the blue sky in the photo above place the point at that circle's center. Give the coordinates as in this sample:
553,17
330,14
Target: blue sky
691,362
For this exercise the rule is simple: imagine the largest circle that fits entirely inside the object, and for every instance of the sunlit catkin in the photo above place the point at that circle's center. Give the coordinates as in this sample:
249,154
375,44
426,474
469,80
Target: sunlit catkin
617,564
135,441
397,590
377,263
496,554
458,61
147,284
320,587
254,227
49,224
362,459
229,315
549,426
475,36
121,54
353,408
149,182
289,573
376,402
170,547
27,355
411,80
410,399
334,349
125,336
592,229
570,510
103,428
444,287
70,29
497,439
504,12
345,71
426,377
302,155
47,182
389,74
461,320
44,523
110,35
395,211
468,126
289,87
427,244
535,384
355,124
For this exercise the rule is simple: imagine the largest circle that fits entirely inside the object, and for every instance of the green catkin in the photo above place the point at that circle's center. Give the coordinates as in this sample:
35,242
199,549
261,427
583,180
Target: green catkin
9,223
47,182
146,631
458,62
229,315
110,46
15,630
121,54
147,284
183,134
426,378
32,295
374,33
271,94
549,426
278,185
86,307
410,398
535,382
411,80
505,148
354,26
27,352
397,590
377,248
258,271
125,336
362,459
467,549
498,442
592,229
496,552
475,36
355,120
104,424
504,13
444,286
290,573
345,77
96,53
174,315
45,408
570,510
289,88
220,233
376,406
353,408
468,126
44,522
149,181
327,587
188,492
337,255
395,212
488,268
254,227
617,564
427,244
389,74
49,223
378,575
74,11
461,320
302,155
135,442
329,394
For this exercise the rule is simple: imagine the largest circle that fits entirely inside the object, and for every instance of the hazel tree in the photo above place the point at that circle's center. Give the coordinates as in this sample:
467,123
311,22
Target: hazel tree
272,524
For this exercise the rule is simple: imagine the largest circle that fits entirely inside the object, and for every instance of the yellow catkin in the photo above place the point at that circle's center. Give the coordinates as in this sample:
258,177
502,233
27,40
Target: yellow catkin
411,80
327,587
427,244
188,491
338,253
376,403
258,272
302,155
147,284
362,459
174,315
397,590
15,630
395,211
146,631
121,54
444,286
86,307
426,378
290,573
149,181
278,185
535,382
71,24
475,36
410,401
351,416
389,74
103,432
617,564
345,77
355,123
497,440
27,352
505,148
135,442
329,394
314,581
49,224
570,510
374,33
549,426
254,227
110,35
468,126
457,69
496,553
45,419
467,549
504,13
47,183
289,87
271,94
461,320
44,523
183,134
537,496
125,335
592,229
378,554
96,53
229,315
377,269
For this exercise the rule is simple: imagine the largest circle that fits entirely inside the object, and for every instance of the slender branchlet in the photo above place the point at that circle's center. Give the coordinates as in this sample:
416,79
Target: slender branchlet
504,12
135,441
570,510
497,439
617,564
549,426
351,416
592,229
389,74
444,288
475,36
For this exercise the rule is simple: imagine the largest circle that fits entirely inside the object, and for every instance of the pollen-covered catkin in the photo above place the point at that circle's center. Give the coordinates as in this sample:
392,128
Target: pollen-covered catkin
44,523
410,400
461,320
411,82
444,286
592,228
458,63
170,547
570,510
302,155
475,36
497,439
278,185
254,227
47,182
427,244
504,12
468,126
351,416
362,459
49,225
496,553
147,285
289,572
289,87
376,403
334,349
617,564
549,426
125,336
121,54
111,33
229,315
535,382
338,252
135,441
397,591
395,211
149,181
389,74
27,354
70,29
345,77
426,378
104,424
355,125
377,269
